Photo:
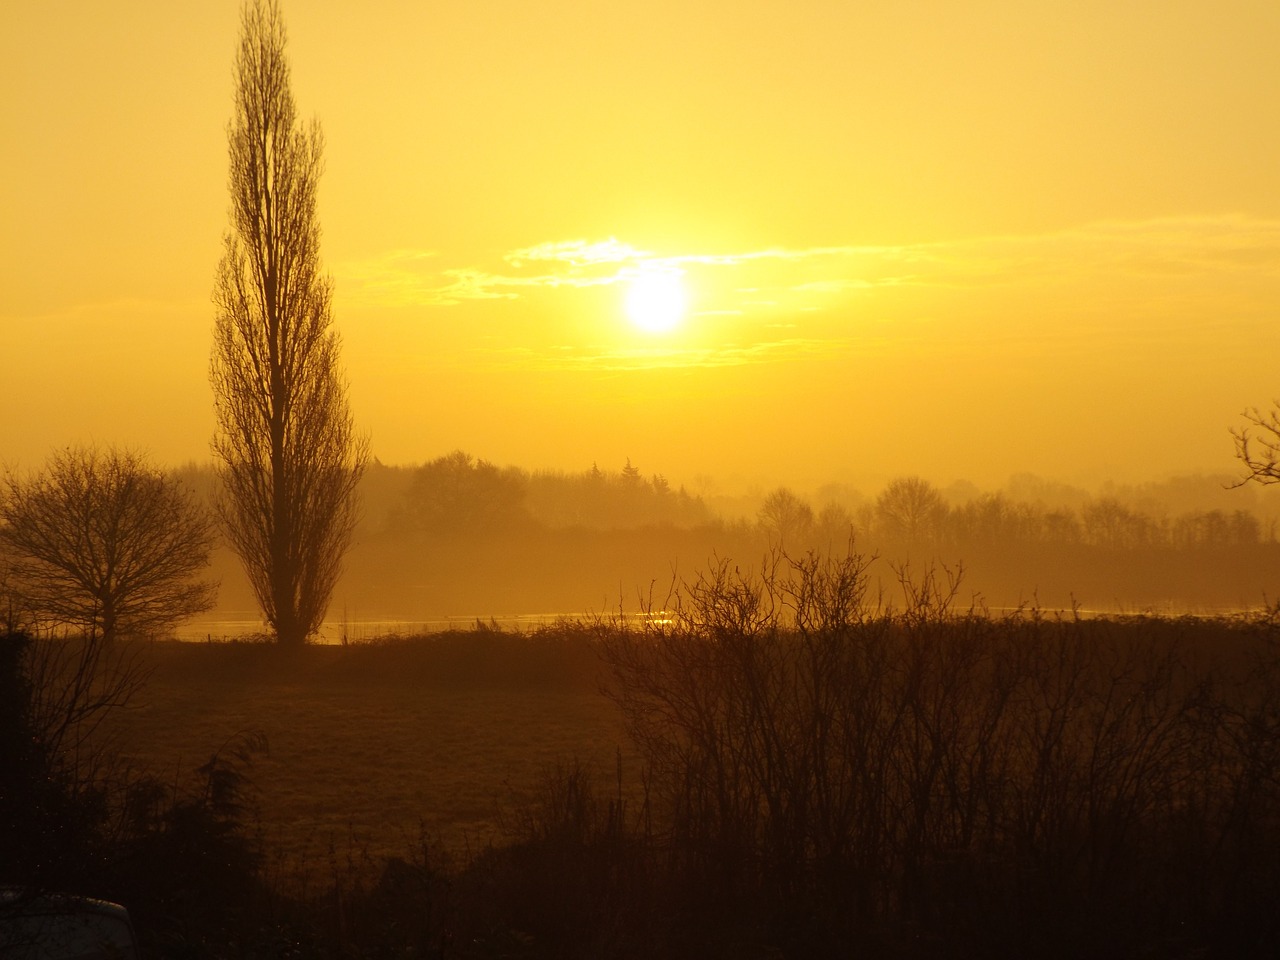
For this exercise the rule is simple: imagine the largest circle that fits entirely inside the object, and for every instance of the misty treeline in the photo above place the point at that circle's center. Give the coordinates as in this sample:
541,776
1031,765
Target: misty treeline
910,511
459,495
459,534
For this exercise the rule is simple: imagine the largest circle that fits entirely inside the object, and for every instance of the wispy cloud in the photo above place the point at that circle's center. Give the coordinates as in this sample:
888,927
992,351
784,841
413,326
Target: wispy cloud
598,359
1163,246
1114,269
406,277
577,252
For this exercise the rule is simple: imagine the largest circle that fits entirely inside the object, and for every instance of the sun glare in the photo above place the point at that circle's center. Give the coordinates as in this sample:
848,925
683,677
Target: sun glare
656,300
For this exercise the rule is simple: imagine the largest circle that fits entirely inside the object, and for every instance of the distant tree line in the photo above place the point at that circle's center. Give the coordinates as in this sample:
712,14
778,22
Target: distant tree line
457,494
911,512
462,533
460,495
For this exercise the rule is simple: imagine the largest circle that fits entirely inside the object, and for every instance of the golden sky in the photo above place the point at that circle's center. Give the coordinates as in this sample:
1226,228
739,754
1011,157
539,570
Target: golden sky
955,239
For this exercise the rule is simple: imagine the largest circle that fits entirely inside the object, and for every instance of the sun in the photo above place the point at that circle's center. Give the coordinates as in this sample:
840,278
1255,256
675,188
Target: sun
656,300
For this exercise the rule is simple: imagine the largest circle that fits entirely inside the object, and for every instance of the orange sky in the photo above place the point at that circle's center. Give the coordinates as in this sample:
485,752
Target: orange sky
954,239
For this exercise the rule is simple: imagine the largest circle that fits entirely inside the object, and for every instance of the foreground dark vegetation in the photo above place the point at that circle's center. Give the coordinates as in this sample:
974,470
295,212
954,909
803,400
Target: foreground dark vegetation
808,772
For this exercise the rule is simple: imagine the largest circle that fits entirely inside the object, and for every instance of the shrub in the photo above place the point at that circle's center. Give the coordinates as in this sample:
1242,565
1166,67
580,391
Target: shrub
828,772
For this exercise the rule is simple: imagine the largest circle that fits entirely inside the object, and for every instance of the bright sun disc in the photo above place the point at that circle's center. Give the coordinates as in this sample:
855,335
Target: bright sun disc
656,300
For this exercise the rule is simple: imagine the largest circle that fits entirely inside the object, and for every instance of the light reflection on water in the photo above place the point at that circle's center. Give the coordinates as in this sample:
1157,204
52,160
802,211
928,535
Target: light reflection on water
357,631
246,624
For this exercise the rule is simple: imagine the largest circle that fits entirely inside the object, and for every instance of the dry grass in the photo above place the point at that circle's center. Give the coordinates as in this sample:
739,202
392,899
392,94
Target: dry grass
371,745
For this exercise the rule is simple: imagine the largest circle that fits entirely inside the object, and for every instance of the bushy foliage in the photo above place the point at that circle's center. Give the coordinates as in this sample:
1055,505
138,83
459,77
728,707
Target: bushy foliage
829,771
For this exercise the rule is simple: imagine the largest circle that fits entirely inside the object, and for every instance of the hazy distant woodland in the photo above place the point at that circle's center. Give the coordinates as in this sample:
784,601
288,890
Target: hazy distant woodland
457,538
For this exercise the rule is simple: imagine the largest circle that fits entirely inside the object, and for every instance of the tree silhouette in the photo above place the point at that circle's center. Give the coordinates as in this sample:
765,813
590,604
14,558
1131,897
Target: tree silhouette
910,509
100,540
288,456
835,525
785,517
1109,523
459,494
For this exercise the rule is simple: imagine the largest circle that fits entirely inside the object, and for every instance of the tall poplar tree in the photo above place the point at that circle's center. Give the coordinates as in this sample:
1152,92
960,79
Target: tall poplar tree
286,448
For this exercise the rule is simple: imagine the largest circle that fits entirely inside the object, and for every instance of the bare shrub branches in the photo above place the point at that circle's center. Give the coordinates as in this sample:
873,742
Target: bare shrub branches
74,683
878,773
289,458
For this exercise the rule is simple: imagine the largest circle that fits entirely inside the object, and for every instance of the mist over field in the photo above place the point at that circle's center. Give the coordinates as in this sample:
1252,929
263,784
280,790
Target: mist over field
458,538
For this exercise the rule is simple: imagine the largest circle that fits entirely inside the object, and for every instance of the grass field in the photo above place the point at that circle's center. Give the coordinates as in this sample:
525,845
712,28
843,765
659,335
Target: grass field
371,745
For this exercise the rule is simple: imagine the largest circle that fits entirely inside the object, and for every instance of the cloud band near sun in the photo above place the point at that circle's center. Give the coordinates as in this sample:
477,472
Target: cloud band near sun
1154,247
766,304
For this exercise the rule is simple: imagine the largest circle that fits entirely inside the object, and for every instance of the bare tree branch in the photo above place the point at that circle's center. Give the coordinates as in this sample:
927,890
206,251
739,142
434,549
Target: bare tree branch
1260,454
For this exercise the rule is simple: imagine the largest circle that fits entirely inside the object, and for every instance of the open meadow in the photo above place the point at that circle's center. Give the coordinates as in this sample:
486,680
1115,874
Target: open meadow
371,748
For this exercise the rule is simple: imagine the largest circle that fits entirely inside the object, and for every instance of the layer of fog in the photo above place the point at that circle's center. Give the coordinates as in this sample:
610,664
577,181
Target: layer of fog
457,538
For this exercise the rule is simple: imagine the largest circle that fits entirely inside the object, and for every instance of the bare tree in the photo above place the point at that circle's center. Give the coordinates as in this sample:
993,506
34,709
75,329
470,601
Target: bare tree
101,540
785,517
910,508
288,455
